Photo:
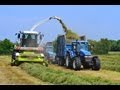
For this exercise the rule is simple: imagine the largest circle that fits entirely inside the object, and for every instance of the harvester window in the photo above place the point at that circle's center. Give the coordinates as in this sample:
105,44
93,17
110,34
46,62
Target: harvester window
23,36
29,37
33,36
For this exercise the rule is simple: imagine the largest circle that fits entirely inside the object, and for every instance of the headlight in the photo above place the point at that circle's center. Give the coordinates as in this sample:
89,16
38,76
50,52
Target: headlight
17,54
42,55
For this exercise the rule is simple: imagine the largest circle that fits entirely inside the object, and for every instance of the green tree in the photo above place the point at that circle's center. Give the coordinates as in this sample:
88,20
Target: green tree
114,45
100,47
92,45
118,45
6,46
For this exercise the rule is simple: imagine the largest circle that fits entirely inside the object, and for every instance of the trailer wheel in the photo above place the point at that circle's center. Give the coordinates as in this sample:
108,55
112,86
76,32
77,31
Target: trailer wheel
61,62
96,64
13,58
67,61
77,63
56,60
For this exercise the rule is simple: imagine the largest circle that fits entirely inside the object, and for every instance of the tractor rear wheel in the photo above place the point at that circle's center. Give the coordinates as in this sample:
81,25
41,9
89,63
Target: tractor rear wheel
96,64
61,62
67,61
77,63
56,60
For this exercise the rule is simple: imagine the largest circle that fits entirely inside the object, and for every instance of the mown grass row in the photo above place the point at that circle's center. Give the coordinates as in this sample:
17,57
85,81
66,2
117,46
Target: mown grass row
62,78
110,61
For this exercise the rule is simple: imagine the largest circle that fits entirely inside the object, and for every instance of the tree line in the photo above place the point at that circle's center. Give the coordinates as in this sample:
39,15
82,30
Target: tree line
103,46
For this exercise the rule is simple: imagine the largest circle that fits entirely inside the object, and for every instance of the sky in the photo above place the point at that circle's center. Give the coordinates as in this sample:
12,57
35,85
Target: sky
94,21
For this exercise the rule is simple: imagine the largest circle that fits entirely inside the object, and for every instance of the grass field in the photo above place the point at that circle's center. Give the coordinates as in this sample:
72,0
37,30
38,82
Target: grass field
61,77
111,61
54,74
15,75
108,75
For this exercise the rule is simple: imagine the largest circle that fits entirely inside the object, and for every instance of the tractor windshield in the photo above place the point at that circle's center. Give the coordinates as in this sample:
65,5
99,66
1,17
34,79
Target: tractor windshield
84,45
49,48
29,40
80,45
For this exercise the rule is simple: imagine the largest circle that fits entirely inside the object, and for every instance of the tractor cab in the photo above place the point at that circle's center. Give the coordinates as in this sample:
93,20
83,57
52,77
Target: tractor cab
77,45
81,46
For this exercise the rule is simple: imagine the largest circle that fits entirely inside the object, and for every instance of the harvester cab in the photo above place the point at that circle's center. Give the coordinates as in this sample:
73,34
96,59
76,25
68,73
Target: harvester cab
29,38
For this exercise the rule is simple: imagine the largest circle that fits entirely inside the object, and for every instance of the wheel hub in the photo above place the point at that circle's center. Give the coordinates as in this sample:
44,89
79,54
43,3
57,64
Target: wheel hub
74,66
67,61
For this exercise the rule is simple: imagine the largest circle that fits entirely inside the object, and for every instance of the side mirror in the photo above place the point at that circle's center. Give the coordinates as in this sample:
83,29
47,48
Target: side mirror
15,34
41,36
18,36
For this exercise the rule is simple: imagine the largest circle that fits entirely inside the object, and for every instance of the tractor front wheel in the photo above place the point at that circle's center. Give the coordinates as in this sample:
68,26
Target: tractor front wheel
77,63
67,61
96,64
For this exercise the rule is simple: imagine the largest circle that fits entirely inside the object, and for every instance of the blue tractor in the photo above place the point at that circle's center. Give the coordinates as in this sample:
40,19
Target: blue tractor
75,55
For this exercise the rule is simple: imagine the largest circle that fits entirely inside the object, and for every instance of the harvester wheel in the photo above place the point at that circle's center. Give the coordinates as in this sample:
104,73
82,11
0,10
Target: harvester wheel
16,63
58,61
45,64
96,64
77,63
12,62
